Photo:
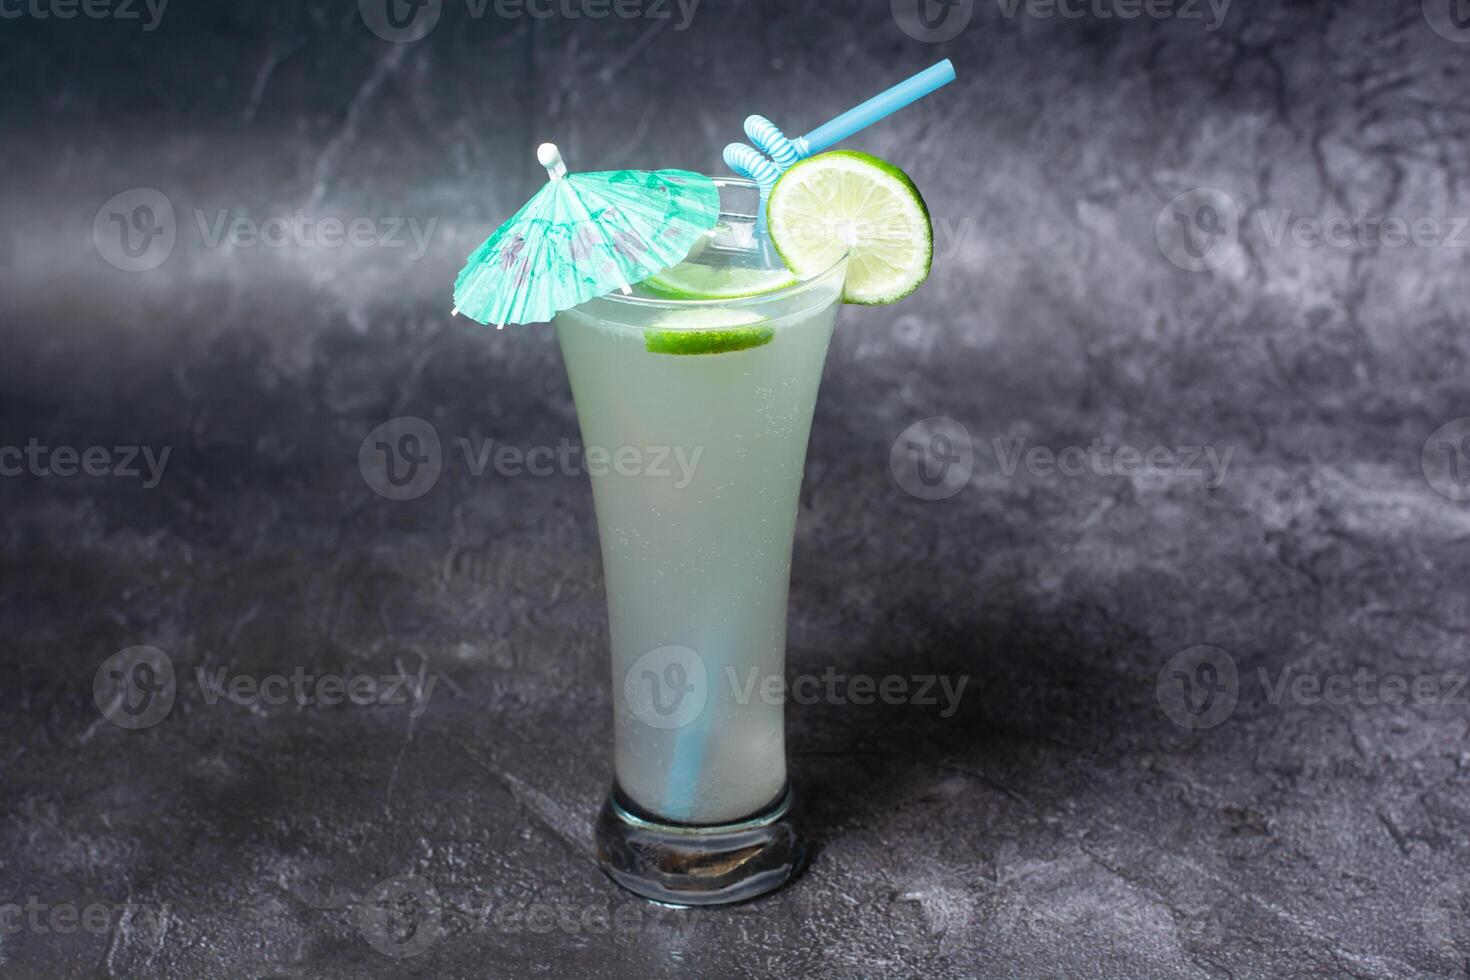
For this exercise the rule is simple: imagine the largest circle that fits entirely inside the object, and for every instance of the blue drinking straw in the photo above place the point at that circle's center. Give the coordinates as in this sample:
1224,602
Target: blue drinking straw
764,166
773,152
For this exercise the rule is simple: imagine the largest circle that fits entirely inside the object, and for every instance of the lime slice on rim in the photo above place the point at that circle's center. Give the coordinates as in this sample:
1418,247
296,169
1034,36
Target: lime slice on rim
693,280
845,201
707,332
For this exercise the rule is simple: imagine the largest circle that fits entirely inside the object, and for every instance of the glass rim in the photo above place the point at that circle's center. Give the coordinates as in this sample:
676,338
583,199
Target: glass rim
735,301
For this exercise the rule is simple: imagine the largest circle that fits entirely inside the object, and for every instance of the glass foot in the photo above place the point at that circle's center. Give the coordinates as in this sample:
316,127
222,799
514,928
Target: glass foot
684,864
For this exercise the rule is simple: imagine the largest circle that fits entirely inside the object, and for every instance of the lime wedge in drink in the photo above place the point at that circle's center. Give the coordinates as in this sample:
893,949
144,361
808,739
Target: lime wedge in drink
845,201
694,280
707,332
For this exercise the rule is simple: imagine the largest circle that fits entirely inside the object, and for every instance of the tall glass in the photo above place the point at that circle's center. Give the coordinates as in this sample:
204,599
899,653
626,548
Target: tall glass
695,416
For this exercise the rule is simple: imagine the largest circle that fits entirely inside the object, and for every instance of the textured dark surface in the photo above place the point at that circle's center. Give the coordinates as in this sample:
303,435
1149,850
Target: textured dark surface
1059,824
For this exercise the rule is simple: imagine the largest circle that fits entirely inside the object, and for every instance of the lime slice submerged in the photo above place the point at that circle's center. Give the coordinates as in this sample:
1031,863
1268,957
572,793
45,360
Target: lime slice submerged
707,332
694,280
845,201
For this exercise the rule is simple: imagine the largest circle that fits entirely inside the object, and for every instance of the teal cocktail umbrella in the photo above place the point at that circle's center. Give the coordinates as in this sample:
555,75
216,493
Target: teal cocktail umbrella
583,236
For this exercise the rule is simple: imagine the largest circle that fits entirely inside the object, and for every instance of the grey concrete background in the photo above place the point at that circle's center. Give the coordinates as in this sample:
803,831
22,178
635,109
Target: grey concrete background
1059,824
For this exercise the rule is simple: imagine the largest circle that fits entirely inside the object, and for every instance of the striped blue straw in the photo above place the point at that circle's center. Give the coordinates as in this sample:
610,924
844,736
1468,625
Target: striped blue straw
764,165
773,152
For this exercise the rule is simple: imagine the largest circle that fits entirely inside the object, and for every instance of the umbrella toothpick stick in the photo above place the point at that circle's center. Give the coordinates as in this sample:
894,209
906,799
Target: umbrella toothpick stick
581,236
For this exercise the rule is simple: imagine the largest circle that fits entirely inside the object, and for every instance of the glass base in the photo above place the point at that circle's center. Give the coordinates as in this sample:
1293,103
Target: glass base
684,864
